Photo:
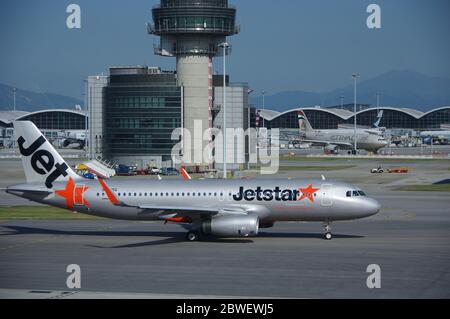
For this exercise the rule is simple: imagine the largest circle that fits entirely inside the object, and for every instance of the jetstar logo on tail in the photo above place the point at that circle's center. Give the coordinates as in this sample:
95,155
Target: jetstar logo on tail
277,194
73,194
42,161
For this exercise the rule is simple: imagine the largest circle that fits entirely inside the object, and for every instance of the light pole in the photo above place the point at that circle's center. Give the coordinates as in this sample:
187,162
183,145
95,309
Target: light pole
378,102
14,90
86,121
355,78
225,46
264,104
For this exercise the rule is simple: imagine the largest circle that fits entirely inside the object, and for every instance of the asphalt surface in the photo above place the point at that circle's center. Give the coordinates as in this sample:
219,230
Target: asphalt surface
409,240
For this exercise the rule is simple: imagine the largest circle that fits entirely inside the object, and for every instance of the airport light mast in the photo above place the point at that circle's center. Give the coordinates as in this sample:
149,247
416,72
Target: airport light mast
264,102
225,47
355,78
191,31
14,90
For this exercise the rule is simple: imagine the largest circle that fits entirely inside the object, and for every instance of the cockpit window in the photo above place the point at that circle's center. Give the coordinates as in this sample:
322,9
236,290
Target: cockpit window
355,193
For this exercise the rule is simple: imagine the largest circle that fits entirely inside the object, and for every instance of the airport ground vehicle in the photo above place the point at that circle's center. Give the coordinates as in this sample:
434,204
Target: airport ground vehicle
398,170
378,170
125,170
169,171
154,170
225,208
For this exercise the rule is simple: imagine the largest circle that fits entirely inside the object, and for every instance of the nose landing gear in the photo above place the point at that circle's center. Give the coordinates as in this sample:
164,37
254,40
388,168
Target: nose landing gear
327,235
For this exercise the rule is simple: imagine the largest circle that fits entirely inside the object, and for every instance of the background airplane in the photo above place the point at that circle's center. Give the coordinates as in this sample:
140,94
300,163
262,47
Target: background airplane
332,140
227,208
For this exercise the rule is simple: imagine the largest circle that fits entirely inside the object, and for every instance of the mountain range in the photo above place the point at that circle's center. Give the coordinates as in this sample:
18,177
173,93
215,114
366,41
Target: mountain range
396,88
32,101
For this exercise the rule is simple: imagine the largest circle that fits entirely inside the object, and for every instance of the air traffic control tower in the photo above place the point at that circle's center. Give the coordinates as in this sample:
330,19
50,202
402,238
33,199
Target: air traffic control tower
191,31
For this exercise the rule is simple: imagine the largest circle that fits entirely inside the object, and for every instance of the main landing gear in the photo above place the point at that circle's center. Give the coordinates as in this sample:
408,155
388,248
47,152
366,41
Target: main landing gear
192,236
327,235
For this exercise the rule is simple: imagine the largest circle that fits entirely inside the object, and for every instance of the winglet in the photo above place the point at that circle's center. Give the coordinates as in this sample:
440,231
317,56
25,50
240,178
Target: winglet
185,174
111,196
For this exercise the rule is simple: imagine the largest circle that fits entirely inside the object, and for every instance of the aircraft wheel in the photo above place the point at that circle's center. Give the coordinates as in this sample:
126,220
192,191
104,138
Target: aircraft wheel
328,236
192,236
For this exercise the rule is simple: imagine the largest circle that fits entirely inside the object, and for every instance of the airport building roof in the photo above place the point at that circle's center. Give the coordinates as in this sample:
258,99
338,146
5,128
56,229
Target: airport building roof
8,116
331,118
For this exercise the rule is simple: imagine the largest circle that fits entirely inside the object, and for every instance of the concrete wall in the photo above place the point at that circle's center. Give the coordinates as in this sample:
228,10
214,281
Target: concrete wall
95,100
236,105
193,75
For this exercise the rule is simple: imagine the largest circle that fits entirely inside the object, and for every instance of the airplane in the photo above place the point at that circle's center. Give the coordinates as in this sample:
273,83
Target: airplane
224,208
367,139
435,137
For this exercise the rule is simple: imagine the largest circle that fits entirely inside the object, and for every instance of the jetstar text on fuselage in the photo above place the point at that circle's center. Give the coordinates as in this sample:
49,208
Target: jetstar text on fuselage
277,194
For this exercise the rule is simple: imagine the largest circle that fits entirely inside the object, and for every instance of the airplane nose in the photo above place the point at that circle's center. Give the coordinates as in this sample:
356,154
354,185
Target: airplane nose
372,206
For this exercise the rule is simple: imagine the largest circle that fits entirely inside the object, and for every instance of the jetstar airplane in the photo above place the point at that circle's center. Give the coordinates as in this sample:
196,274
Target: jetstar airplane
226,208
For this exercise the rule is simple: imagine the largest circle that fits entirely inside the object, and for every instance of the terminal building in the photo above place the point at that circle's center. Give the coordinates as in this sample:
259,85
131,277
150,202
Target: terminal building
331,118
134,110
55,124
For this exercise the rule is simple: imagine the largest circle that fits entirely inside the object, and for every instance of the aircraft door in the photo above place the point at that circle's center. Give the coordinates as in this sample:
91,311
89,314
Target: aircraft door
326,198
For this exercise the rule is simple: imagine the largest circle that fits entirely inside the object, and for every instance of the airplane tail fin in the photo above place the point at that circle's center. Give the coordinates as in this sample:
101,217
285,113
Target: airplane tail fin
41,162
379,117
303,122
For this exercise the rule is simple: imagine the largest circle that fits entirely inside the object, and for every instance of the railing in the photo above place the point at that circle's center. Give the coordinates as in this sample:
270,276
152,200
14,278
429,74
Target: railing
152,29
194,3
184,50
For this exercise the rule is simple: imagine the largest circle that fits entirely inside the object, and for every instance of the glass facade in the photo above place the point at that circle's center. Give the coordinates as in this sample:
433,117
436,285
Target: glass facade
140,118
435,118
57,120
185,23
194,16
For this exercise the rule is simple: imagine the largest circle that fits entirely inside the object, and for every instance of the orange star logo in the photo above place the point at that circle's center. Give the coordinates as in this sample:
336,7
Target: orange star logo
308,192
73,194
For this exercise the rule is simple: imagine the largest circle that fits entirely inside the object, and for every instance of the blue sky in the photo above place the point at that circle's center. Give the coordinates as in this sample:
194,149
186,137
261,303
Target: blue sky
305,45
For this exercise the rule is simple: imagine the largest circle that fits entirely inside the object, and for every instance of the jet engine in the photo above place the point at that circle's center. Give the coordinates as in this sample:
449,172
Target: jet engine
232,226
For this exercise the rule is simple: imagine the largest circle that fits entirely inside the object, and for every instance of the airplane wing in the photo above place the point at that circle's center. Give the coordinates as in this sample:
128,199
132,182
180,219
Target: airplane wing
192,211
325,143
